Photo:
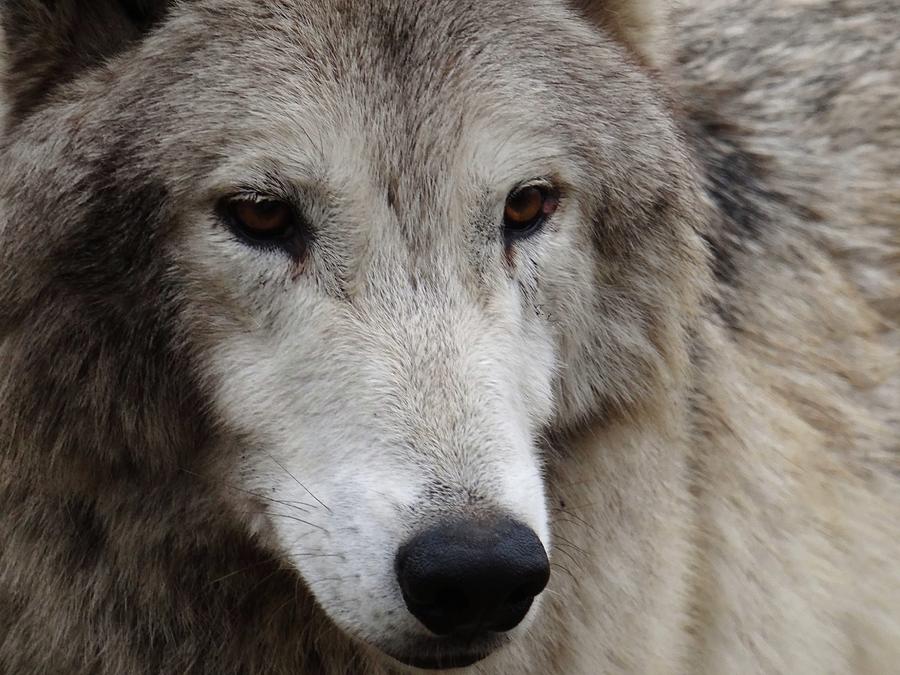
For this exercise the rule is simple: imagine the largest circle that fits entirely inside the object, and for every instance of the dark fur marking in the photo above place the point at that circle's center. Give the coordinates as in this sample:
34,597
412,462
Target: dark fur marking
734,182
145,13
50,43
392,193
89,529
101,326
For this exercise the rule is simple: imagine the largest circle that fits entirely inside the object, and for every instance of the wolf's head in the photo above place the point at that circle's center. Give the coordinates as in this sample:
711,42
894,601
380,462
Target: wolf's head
353,260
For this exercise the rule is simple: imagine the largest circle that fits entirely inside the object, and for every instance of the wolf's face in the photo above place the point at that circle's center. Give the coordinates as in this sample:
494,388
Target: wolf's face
400,242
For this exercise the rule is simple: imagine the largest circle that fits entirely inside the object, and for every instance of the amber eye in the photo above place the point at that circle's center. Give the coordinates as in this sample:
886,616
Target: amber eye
527,208
261,219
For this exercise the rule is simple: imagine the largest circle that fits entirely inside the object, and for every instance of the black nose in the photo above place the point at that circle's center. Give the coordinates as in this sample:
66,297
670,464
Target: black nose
469,576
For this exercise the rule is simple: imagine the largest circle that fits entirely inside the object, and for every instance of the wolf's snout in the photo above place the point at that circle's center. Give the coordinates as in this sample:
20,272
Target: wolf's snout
467,577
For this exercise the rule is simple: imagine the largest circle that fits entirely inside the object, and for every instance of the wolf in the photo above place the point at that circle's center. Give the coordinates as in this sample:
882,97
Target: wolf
376,336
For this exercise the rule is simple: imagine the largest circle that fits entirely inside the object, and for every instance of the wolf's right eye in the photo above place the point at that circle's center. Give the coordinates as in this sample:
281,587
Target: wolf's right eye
263,221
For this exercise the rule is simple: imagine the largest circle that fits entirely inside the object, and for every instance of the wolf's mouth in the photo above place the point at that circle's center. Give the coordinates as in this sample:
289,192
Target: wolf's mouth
446,661
446,654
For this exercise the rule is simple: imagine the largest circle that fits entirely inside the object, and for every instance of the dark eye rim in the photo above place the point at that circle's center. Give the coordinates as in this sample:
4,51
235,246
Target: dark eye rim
292,237
516,232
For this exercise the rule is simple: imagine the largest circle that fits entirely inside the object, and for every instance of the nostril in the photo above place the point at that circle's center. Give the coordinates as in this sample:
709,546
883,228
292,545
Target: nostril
466,576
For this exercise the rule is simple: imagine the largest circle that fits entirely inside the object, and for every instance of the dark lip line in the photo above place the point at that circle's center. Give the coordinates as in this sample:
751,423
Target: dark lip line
446,662
437,654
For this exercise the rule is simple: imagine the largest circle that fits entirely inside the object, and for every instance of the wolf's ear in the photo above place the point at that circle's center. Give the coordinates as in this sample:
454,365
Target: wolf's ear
46,43
642,25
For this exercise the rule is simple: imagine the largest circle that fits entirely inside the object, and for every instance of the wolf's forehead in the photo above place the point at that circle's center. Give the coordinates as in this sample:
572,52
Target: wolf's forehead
393,58
409,92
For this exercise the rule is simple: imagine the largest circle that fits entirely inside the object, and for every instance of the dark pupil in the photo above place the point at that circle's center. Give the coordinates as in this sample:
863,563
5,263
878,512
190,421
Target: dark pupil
523,207
268,209
267,217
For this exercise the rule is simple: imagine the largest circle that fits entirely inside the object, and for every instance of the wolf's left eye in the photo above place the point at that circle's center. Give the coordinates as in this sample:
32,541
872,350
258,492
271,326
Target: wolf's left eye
527,208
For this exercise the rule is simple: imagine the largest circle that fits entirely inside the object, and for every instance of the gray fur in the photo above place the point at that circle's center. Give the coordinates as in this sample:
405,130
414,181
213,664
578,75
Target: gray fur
688,385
